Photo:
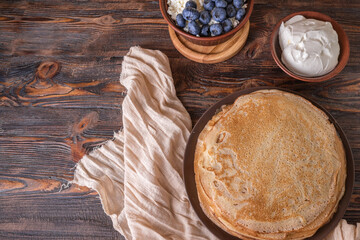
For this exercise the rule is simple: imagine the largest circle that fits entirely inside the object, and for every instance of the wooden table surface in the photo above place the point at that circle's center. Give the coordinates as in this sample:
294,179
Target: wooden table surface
60,97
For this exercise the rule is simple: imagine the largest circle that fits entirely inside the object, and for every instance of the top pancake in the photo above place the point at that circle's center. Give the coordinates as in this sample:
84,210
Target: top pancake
270,166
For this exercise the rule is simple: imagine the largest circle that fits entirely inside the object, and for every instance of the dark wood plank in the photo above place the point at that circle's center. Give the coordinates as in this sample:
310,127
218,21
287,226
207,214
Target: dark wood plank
38,149
60,96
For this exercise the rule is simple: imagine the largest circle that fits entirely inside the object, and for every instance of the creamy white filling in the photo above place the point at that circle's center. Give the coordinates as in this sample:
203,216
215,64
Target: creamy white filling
309,47
176,7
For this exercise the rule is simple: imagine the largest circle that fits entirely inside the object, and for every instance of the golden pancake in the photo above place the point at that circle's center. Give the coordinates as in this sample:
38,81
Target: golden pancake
270,166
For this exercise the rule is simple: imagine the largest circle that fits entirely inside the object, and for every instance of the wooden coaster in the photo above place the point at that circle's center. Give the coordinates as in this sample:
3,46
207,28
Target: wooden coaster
210,54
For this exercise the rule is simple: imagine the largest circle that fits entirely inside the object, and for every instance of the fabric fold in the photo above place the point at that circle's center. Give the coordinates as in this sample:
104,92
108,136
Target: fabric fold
138,174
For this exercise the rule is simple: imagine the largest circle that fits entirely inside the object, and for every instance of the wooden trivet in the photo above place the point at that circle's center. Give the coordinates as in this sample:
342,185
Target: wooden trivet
211,54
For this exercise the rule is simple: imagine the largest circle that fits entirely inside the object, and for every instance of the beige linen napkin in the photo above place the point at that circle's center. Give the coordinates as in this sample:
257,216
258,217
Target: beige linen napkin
138,174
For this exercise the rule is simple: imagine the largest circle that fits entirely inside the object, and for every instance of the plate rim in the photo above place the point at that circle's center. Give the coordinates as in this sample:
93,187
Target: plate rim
189,174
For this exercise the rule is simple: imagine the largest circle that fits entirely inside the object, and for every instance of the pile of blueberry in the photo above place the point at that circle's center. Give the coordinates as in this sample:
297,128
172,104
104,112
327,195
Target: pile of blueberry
219,10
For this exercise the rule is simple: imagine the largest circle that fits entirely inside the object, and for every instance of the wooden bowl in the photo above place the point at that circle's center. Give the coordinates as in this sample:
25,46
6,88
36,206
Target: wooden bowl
205,41
343,42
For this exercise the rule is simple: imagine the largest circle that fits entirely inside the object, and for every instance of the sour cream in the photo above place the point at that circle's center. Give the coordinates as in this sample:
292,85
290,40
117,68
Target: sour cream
310,47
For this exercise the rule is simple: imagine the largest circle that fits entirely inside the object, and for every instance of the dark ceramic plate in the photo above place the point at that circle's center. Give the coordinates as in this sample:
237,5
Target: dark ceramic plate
189,175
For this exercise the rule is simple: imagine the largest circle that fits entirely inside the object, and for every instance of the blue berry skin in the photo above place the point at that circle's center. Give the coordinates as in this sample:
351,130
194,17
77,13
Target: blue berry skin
191,4
240,14
231,11
194,28
216,29
220,3
205,17
238,3
209,5
190,14
180,21
227,25
205,31
219,14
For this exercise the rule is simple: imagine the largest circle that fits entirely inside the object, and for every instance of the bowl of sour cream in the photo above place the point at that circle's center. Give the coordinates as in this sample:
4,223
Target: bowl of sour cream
309,46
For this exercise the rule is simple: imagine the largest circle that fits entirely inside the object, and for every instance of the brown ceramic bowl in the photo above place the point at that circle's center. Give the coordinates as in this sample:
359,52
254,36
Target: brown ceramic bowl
343,42
205,41
189,174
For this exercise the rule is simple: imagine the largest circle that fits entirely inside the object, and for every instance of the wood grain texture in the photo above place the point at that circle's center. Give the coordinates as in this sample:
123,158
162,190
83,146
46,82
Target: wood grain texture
210,54
60,97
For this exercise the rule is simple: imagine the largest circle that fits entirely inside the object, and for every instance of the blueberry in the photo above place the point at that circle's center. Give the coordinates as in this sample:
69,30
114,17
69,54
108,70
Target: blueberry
190,14
220,3
239,14
209,5
191,4
230,10
194,28
219,14
216,29
180,21
227,25
238,3
205,17
205,30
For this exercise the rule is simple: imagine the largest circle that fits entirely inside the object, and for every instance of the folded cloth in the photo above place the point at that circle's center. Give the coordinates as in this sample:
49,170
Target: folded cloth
138,174
345,231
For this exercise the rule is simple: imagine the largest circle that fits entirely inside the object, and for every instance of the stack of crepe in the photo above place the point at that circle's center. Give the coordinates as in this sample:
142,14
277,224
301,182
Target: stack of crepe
270,166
